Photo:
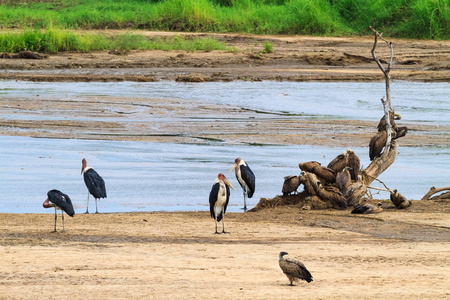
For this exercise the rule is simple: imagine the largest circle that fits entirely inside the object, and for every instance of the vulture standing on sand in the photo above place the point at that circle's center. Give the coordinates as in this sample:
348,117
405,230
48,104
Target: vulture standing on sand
290,185
94,183
367,209
354,164
399,200
331,195
59,201
245,177
339,162
218,199
293,269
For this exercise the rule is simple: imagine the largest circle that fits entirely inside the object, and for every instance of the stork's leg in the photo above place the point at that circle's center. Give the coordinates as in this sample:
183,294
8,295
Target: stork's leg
87,205
55,220
245,200
223,224
62,215
96,209
216,225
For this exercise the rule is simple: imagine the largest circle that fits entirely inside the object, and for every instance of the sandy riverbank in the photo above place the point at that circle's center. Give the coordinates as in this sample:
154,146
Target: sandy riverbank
392,255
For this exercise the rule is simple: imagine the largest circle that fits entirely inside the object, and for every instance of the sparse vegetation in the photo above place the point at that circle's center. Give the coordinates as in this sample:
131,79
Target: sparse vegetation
268,48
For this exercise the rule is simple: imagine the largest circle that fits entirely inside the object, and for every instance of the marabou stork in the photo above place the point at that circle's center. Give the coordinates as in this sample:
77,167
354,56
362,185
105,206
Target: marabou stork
293,269
245,177
60,201
218,199
94,183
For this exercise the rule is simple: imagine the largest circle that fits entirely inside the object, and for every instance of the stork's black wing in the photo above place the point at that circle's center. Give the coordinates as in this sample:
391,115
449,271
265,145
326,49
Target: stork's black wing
62,200
249,178
213,198
228,199
95,184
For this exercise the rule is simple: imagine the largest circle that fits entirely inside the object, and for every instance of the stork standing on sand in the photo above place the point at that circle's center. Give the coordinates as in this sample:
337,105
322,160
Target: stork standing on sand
94,183
59,201
245,177
218,199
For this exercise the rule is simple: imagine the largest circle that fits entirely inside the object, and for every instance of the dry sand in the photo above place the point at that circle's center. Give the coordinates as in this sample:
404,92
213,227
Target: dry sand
392,255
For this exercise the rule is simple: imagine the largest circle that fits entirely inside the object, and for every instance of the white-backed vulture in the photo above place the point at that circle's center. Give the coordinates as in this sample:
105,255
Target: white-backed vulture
399,200
392,117
293,269
401,132
354,164
339,162
377,143
290,185
325,174
309,181
343,180
331,195
367,209
308,166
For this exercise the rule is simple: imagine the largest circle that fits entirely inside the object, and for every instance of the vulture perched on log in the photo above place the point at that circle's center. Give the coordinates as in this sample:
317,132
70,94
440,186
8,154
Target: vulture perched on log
290,185
309,181
325,174
354,164
377,143
308,166
331,195
294,269
339,162
392,117
367,209
355,192
343,180
399,200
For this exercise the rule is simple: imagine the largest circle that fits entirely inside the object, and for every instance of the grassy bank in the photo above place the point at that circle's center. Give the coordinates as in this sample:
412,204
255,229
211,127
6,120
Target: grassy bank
52,40
423,19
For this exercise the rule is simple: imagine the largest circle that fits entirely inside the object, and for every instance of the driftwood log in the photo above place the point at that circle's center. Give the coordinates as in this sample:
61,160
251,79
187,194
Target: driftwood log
434,190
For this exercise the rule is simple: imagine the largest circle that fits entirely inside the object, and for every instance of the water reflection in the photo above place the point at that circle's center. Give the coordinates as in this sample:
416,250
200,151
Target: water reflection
142,176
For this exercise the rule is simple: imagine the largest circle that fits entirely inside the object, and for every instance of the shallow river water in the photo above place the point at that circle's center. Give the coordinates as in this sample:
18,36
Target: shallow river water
142,176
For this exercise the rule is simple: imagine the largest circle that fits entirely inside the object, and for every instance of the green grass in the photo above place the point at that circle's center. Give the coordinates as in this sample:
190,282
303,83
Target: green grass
52,40
423,19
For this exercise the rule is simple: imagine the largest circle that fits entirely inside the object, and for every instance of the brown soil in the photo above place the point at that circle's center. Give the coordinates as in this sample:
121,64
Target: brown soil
396,254
295,58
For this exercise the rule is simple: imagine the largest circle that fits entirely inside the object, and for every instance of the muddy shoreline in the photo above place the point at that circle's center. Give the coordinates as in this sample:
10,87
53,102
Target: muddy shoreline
295,58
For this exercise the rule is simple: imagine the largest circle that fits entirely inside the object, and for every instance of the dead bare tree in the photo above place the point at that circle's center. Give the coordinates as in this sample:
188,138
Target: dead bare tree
380,164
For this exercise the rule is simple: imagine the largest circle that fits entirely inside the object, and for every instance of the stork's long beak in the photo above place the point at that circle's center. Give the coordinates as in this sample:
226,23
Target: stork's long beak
234,166
227,182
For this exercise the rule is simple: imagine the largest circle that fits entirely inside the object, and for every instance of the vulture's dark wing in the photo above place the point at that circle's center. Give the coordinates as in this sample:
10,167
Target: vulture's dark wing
360,209
295,269
62,200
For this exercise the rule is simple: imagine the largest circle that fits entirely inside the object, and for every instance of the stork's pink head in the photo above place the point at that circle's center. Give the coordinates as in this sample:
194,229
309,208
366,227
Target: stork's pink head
221,176
46,203
237,160
83,165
